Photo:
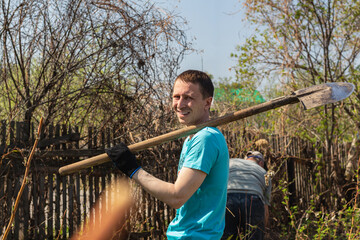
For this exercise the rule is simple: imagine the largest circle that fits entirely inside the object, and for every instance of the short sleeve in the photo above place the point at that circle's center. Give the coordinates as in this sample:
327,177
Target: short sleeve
202,153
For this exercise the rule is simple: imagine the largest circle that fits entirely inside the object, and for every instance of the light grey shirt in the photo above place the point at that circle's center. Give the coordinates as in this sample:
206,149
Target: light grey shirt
246,176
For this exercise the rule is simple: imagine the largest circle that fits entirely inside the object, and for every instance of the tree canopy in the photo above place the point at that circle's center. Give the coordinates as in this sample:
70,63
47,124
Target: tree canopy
297,44
76,60
302,43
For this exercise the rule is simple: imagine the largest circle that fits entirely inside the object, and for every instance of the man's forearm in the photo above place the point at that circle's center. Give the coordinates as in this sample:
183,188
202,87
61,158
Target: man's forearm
173,194
159,189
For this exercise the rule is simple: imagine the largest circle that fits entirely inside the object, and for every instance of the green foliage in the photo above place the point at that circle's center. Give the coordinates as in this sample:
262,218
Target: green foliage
314,222
298,44
237,95
230,97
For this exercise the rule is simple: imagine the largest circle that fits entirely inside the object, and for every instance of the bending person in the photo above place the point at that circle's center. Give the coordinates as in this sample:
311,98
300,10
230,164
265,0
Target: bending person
248,198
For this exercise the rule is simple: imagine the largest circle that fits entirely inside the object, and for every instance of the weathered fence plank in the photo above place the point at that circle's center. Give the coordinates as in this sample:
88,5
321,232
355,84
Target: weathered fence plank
26,211
78,203
57,204
17,216
291,179
71,203
50,216
41,208
65,210
84,200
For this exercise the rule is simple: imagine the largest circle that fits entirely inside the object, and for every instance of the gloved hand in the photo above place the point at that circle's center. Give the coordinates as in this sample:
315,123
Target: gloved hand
123,159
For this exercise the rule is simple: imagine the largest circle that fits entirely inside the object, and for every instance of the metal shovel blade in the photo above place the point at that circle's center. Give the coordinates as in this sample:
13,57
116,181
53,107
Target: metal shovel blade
326,93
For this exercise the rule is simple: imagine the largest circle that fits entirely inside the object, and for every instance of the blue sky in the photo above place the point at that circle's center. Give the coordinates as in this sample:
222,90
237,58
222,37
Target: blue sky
218,27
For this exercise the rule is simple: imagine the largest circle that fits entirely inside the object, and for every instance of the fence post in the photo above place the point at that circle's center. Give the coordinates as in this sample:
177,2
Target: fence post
12,126
25,136
3,132
291,180
90,137
65,208
42,199
50,216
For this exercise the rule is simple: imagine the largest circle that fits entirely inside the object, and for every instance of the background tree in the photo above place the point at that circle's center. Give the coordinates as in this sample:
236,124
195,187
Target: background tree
302,43
76,60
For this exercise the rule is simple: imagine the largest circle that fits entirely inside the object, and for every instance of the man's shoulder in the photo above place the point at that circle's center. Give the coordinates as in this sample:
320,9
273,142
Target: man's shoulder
210,132
238,160
245,164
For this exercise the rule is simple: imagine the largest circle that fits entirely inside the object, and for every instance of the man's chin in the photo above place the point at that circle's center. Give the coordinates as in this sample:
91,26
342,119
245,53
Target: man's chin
182,121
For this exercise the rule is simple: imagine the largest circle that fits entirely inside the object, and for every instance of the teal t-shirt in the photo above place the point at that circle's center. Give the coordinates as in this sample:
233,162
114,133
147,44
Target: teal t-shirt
203,215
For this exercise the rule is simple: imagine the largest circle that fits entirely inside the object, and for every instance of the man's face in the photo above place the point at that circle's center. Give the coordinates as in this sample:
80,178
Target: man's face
189,104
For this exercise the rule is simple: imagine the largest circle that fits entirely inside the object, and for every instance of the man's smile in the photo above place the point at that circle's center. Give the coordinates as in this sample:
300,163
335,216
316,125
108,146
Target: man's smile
183,112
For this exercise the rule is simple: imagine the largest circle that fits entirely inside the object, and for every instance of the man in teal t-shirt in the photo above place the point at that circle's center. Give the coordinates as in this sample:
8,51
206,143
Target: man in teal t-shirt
202,216
199,192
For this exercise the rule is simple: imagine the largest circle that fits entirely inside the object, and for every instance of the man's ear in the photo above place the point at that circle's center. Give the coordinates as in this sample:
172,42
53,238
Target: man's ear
208,102
261,164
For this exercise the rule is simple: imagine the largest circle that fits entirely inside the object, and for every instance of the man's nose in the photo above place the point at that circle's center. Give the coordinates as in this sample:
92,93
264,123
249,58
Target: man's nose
181,102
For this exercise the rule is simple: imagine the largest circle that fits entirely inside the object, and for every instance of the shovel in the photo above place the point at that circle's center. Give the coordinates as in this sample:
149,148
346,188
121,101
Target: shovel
310,97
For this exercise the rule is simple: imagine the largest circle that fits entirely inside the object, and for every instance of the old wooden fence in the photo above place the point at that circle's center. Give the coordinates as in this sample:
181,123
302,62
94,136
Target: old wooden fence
54,206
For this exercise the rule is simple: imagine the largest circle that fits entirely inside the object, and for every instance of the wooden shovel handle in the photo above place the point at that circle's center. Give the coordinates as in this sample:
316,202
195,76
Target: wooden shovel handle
103,158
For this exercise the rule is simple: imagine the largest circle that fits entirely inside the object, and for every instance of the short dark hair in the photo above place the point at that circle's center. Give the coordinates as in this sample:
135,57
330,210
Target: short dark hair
198,77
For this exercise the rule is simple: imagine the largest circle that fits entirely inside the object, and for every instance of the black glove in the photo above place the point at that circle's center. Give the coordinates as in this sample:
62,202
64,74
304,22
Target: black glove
123,159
